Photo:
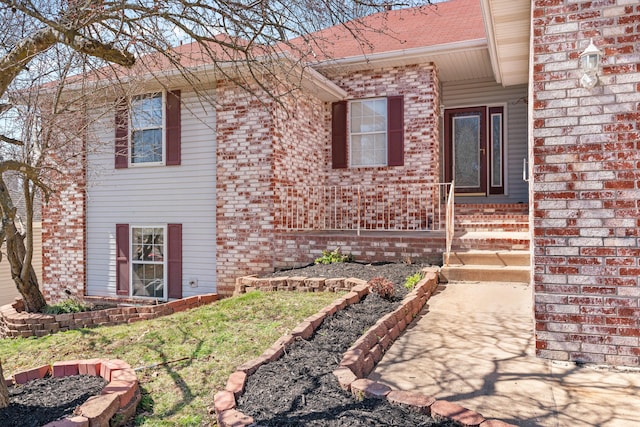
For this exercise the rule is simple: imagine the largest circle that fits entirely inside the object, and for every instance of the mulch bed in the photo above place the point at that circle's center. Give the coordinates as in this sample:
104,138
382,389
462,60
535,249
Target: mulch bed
300,389
41,401
297,390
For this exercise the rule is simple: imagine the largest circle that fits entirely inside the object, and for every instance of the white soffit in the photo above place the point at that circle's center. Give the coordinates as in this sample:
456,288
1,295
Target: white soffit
508,25
468,60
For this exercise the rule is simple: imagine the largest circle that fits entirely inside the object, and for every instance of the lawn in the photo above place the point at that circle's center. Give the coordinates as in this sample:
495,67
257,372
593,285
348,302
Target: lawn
185,358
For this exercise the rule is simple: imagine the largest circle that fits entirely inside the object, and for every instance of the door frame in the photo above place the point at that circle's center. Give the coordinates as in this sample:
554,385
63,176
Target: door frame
449,114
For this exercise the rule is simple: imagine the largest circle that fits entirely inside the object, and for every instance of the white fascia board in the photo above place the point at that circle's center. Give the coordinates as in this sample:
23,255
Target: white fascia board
489,29
418,54
311,80
322,87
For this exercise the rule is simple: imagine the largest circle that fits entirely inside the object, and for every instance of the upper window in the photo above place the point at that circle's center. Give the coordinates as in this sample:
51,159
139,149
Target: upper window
368,132
148,130
147,123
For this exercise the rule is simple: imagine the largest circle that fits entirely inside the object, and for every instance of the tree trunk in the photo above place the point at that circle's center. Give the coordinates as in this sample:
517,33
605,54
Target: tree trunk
19,258
4,391
26,281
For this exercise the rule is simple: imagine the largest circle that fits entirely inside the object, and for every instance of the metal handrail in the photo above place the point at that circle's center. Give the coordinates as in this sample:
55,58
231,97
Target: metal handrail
450,221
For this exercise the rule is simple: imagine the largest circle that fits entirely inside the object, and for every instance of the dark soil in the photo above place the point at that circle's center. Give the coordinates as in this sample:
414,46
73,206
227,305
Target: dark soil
41,401
300,389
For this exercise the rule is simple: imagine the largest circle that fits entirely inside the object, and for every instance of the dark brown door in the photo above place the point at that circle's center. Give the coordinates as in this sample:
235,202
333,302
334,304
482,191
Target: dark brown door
466,149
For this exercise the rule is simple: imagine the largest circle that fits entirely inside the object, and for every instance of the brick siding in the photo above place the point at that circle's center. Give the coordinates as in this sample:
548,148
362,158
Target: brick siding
290,144
420,87
63,228
586,189
244,211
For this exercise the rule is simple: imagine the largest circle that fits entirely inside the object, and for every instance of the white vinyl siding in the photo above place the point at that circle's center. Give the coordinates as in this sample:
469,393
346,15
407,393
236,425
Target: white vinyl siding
513,99
184,194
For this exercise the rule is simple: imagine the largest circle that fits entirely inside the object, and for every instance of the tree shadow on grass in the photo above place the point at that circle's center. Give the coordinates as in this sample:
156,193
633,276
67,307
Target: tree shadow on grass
173,367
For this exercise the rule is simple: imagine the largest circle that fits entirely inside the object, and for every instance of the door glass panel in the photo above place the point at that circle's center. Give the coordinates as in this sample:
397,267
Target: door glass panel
466,148
496,150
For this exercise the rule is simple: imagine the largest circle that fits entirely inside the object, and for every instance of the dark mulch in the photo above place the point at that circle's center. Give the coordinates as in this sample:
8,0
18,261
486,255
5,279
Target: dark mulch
300,389
39,402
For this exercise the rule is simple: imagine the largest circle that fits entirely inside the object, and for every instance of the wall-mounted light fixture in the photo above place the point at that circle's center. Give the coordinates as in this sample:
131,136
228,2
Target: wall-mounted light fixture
590,64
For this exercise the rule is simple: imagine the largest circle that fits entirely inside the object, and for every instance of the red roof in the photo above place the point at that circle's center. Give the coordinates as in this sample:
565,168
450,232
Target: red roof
432,25
438,24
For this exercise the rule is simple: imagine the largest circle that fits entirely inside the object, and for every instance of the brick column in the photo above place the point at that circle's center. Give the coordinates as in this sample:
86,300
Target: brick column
586,183
63,230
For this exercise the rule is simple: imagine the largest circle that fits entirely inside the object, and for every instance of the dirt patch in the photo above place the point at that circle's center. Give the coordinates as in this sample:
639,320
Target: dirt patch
300,389
41,401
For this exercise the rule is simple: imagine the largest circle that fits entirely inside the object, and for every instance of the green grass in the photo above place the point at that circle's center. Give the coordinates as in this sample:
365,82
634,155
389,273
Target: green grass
211,341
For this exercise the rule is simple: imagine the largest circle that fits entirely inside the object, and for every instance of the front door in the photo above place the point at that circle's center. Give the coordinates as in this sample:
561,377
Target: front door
466,149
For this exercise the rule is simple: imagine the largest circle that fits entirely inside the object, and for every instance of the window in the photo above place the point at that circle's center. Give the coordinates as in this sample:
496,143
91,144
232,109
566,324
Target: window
368,132
148,130
147,262
147,123
497,151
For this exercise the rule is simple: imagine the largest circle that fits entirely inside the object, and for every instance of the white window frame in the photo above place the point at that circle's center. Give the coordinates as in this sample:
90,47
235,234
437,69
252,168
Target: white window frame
163,130
351,134
132,261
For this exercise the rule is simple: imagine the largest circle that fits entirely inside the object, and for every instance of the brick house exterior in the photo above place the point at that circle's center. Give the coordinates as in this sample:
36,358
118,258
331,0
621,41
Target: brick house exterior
586,186
521,60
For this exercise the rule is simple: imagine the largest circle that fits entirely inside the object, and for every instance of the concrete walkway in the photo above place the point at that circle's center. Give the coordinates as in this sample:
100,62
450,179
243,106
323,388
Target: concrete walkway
473,345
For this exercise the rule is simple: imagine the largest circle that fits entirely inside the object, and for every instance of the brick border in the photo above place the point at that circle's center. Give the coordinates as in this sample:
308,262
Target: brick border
358,361
295,283
113,407
18,323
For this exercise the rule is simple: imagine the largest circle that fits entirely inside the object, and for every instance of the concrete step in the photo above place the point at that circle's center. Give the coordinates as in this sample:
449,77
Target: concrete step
491,209
522,227
464,241
497,258
511,223
491,218
485,273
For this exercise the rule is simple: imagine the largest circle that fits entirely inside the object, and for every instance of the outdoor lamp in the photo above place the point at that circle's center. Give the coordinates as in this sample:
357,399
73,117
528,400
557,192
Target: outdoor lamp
590,63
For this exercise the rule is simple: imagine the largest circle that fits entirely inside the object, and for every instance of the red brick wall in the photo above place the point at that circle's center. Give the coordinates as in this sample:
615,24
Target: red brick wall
298,249
244,211
420,87
262,148
586,189
63,228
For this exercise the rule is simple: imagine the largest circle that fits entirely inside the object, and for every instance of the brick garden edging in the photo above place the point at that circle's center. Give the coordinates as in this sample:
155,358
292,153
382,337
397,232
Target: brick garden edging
18,323
113,407
358,361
